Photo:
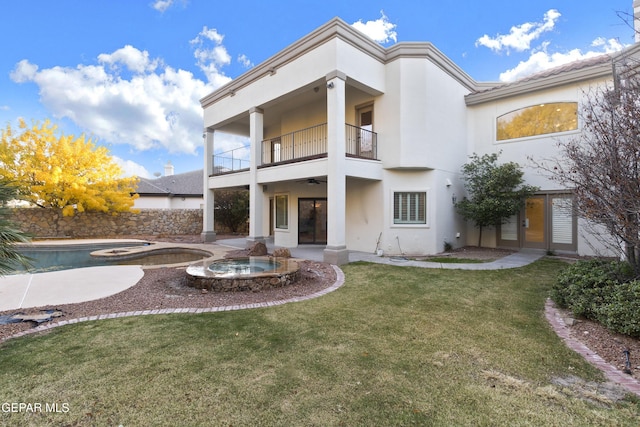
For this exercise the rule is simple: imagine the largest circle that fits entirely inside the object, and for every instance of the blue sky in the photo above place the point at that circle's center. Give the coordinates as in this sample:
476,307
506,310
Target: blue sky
129,73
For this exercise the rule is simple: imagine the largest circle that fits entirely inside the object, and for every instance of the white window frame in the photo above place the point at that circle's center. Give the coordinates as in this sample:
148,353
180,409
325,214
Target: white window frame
276,226
410,224
561,134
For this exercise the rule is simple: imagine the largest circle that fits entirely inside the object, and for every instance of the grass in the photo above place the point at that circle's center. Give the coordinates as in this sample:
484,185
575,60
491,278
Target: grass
393,346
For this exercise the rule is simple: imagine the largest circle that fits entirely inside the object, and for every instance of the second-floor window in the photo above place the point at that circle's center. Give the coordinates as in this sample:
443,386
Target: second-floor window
538,120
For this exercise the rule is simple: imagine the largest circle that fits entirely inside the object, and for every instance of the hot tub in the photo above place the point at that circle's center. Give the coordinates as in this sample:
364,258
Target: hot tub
243,274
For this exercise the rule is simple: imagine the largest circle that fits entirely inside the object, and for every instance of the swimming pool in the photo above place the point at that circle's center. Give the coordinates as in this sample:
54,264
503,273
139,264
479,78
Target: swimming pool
65,257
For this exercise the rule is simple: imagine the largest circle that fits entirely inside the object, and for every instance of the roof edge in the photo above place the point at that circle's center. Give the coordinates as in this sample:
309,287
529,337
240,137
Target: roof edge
337,28
429,51
549,82
591,70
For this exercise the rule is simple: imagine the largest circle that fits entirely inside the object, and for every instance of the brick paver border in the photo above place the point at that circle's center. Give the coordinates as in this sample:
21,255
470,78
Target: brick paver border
45,327
559,326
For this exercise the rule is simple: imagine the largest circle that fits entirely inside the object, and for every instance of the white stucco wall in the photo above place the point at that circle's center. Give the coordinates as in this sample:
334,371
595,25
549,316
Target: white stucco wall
419,117
364,214
425,134
305,71
482,140
144,202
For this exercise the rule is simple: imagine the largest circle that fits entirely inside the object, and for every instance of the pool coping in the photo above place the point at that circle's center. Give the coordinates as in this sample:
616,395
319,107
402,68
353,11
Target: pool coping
132,252
139,247
30,290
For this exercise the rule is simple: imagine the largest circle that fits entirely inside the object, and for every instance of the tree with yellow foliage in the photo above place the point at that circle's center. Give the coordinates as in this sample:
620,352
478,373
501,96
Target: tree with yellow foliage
64,172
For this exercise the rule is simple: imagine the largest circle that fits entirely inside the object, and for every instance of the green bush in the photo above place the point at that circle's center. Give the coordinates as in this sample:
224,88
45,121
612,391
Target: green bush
583,286
602,291
621,311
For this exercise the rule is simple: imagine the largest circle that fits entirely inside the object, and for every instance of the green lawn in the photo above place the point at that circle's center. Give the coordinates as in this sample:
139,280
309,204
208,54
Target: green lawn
394,346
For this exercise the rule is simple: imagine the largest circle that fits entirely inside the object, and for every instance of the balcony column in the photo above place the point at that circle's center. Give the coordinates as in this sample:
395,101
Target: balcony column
208,233
336,250
256,195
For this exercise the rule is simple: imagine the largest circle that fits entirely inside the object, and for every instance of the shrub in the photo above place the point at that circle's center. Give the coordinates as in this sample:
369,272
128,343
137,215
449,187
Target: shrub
621,312
583,286
602,291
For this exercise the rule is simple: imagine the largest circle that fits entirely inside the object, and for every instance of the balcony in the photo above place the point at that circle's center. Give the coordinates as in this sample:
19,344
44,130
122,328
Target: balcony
235,160
298,146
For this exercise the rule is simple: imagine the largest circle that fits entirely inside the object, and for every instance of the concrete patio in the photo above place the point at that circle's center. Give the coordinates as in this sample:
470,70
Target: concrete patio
85,284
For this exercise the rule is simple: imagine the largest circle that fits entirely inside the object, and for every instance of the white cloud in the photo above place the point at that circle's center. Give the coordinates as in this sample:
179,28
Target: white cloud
131,168
23,72
609,46
225,142
521,36
245,61
130,98
162,5
542,60
211,58
5,107
380,30
135,60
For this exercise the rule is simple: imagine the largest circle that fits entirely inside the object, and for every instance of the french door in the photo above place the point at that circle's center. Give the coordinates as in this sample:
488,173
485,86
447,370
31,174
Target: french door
546,222
312,221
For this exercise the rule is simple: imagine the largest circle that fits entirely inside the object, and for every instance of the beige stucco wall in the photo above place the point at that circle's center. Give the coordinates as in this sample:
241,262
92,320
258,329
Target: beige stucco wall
419,116
425,134
526,151
309,71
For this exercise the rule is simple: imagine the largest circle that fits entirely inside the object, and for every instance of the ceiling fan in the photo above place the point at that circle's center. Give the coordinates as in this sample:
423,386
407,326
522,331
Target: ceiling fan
312,181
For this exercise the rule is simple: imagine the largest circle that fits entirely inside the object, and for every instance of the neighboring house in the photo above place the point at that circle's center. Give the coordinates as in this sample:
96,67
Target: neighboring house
354,146
179,191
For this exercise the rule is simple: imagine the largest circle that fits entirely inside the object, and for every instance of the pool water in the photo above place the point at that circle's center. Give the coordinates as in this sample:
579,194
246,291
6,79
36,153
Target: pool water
240,266
61,258
253,274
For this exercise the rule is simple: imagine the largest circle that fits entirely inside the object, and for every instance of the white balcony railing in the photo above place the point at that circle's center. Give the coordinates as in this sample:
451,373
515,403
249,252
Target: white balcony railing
300,145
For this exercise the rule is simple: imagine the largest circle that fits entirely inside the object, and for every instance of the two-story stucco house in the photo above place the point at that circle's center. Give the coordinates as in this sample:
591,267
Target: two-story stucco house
354,146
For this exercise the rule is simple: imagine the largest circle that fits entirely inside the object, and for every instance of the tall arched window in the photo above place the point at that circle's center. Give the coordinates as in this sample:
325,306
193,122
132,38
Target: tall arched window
538,120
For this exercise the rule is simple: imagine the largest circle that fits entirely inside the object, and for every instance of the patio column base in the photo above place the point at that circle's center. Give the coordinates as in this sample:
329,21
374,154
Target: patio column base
208,236
336,255
252,240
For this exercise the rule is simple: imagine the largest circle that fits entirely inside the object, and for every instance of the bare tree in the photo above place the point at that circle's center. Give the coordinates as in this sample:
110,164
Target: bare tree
602,164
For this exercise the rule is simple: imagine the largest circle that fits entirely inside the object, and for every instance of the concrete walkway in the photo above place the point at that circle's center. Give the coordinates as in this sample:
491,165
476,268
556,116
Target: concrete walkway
515,260
314,253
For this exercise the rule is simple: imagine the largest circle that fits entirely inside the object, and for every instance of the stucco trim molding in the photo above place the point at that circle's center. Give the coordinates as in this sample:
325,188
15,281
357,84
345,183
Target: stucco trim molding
339,29
336,74
427,50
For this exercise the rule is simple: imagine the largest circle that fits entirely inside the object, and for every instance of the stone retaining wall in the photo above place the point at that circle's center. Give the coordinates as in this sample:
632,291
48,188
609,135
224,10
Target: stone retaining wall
50,223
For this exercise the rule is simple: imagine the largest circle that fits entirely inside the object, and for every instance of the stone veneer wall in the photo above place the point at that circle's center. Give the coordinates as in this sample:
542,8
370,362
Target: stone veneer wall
49,223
